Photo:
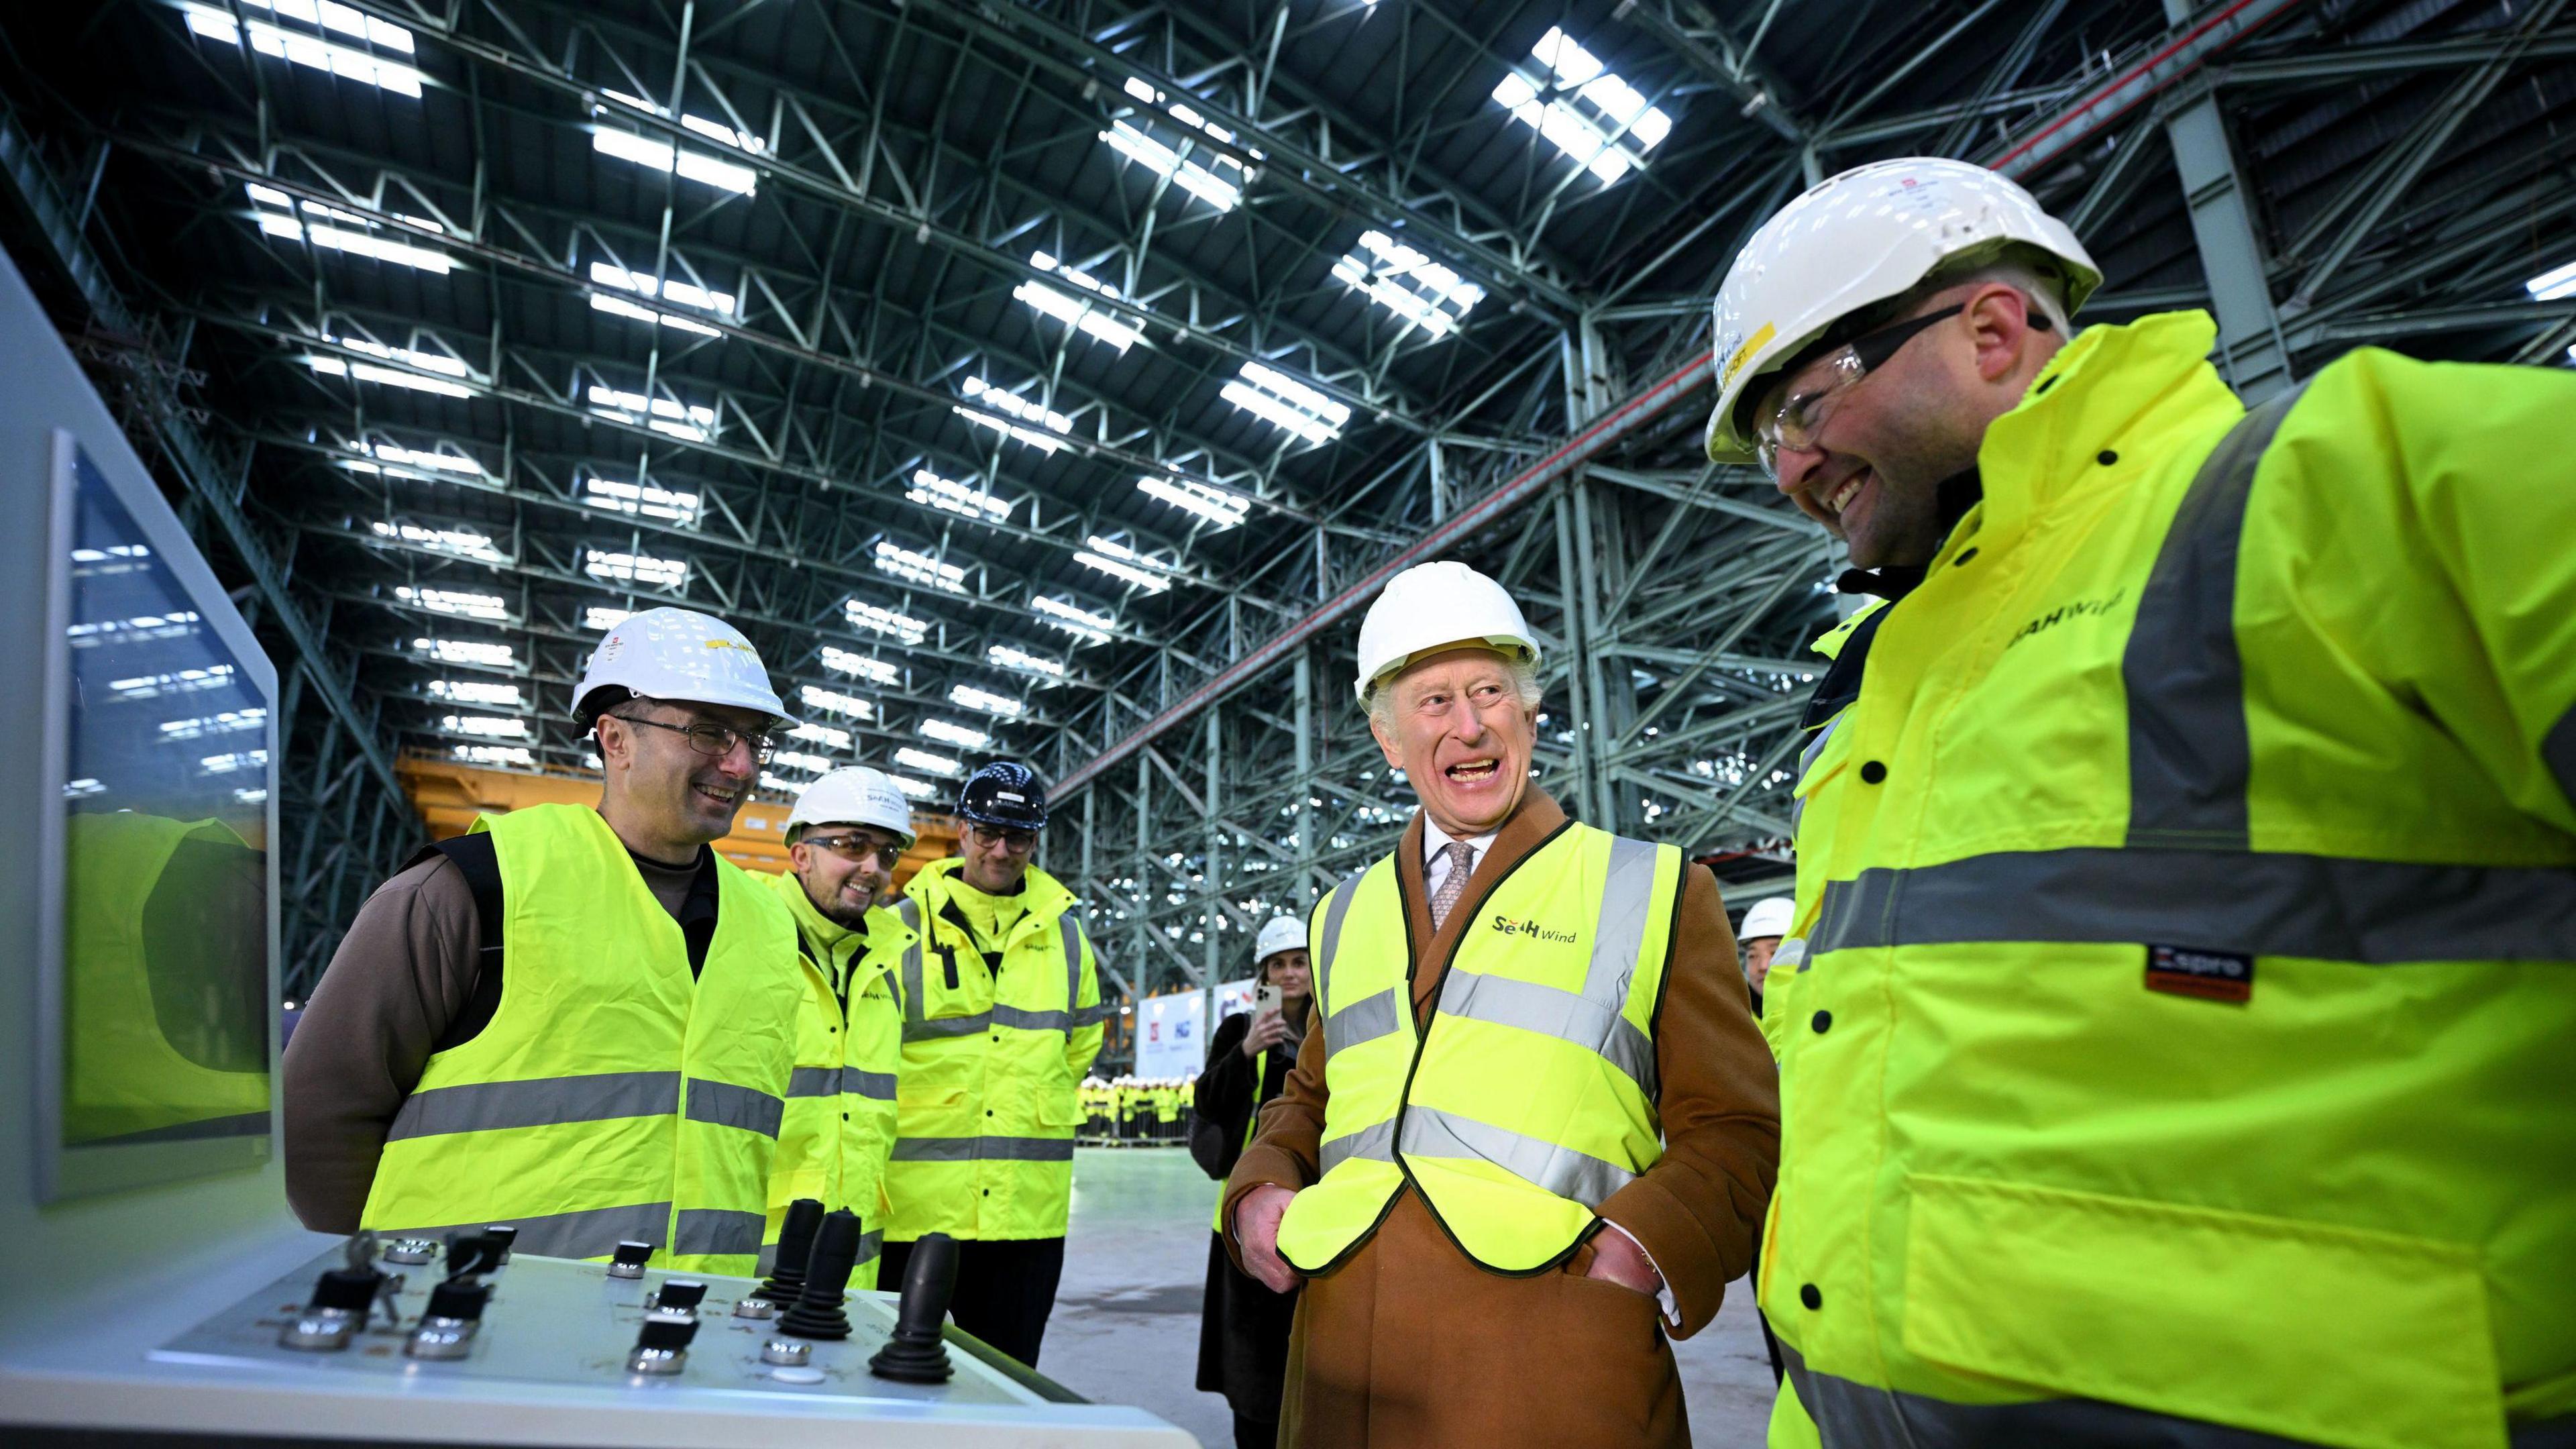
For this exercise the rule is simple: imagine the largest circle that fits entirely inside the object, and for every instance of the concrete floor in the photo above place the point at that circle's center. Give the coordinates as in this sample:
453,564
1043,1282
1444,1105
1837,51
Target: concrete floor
1126,1324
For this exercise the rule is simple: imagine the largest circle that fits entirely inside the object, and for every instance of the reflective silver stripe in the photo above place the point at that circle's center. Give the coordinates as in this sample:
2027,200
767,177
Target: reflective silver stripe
2189,758
723,1104
1366,1019
814,1082
1093,1015
875,1086
1790,952
1430,1132
535,1102
1797,815
1550,1012
1375,1143
1071,929
983,1149
871,1247
2558,751
1031,1020
918,1030
1816,747
1591,1019
1852,1413
717,1230
1336,906
591,1233
2268,903
908,911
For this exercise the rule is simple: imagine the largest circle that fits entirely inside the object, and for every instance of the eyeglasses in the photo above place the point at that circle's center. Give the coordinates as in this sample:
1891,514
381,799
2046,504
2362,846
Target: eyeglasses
1015,841
711,739
857,849
1800,416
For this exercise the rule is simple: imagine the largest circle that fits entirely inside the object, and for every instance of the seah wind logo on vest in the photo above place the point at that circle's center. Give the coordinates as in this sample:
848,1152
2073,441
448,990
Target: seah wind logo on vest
1509,927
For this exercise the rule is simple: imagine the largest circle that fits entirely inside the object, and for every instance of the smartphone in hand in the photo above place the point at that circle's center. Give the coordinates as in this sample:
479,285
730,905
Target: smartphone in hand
1265,998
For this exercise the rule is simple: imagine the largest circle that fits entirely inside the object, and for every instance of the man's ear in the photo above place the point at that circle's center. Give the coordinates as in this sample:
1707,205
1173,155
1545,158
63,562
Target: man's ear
1999,326
1385,742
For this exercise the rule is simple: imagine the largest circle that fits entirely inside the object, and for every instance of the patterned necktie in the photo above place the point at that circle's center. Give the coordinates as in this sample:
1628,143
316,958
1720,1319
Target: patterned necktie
1462,859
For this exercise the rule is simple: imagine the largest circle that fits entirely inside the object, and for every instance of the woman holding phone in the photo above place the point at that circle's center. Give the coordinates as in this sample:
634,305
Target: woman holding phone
1243,1328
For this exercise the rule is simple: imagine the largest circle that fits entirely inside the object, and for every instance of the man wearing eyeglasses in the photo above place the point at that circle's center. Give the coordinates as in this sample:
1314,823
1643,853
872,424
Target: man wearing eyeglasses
581,1022
845,833
1002,1017
2186,901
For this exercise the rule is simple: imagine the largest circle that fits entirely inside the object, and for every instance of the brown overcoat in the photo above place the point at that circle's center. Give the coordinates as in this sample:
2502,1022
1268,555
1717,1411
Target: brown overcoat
1409,1344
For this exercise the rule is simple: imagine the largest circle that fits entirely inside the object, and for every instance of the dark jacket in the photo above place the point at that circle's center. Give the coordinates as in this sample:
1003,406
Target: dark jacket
1243,1326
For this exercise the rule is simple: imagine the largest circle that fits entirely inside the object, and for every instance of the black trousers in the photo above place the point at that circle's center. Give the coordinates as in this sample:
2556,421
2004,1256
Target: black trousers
1005,1289
1255,1433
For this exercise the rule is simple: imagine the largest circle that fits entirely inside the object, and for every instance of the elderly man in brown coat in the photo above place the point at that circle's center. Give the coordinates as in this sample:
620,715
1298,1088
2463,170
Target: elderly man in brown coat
1501,1200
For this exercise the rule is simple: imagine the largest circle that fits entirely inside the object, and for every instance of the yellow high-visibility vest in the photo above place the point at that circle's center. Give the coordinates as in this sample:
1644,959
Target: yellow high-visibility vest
1531,1098
985,1109
612,1096
839,1124
2182,1049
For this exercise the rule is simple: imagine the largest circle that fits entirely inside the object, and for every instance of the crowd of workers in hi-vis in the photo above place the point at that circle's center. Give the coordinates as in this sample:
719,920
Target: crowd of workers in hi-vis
2167,1042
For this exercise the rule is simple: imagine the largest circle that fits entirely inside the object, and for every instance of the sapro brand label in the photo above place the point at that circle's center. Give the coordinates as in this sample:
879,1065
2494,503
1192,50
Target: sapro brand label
730,644
1508,926
2192,971
1743,352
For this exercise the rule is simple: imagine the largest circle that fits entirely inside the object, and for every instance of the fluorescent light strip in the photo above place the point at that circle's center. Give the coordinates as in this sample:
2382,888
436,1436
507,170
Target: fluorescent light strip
596,617
924,760
222,722
1218,507
463,542
692,421
490,727
1020,659
493,754
1069,308
1593,140
914,788
970,697
1281,400
878,619
657,156
959,498
801,759
1081,623
1005,401
478,691
468,651
455,601
864,666
1408,283
919,568
2553,285
849,705
346,62
821,734
422,458
645,500
953,734
1120,561
635,568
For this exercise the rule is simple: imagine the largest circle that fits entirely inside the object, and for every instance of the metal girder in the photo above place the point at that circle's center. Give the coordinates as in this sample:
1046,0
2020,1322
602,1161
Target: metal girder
2184,49
2251,352
1731,67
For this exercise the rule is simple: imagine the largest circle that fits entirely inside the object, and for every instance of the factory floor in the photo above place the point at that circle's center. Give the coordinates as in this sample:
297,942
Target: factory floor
1126,1324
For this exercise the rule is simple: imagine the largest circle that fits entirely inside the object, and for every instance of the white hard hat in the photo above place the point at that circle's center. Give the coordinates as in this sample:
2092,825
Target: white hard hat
1430,606
1855,240
677,654
1771,916
1279,933
852,795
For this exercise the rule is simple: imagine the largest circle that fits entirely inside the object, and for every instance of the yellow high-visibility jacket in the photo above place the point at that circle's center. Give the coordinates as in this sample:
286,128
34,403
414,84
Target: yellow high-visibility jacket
839,1124
615,1095
985,1108
2187,1018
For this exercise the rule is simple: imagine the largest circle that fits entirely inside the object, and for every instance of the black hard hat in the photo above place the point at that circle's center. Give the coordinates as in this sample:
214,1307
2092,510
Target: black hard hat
1004,794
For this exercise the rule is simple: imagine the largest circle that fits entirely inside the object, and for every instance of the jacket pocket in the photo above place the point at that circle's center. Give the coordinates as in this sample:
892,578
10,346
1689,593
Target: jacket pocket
1059,1111
2319,1333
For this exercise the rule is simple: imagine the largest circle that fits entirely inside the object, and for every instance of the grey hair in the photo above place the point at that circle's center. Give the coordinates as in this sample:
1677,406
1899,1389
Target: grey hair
2038,282
1525,687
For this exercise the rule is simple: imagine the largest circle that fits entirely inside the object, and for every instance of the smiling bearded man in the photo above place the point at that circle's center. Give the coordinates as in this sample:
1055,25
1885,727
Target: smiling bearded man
1533,1127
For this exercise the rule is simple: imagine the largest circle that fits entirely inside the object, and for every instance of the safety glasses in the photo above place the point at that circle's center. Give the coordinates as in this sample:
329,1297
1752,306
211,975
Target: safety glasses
1801,415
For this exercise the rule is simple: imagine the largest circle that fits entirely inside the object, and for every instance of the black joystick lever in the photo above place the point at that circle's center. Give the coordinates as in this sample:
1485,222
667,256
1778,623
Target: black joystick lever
502,1236
817,1313
915,1354
470,1255
343,1299
795,1245
663,1345
680,1295
629,1259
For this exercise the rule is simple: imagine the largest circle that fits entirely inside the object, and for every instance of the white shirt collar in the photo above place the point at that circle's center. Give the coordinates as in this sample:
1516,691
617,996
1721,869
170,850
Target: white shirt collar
1433,838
